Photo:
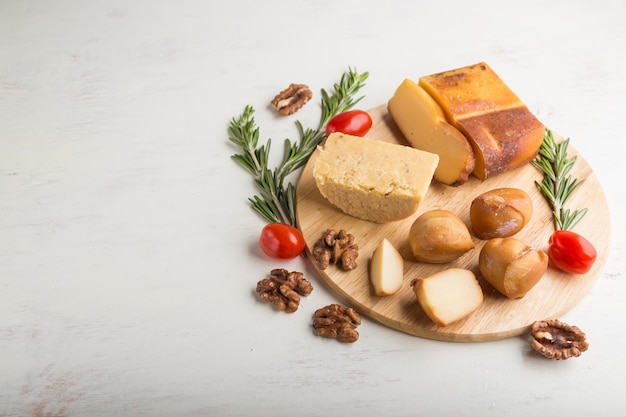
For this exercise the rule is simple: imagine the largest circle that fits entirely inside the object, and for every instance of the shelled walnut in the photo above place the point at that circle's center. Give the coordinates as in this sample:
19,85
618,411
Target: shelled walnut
557,340
283,288
336,321
336,248
291,99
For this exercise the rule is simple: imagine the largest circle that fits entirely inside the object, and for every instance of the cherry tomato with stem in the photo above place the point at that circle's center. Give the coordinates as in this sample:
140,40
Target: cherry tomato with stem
281,241
571,252
351,122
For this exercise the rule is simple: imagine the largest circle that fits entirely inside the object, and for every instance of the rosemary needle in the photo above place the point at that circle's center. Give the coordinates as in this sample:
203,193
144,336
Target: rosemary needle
276,201
558,185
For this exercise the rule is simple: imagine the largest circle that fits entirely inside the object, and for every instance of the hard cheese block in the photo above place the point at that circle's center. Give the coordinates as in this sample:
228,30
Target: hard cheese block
373,180
503,132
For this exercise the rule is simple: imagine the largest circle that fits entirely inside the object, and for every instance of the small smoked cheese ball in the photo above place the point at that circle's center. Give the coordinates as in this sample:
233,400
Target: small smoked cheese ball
501,212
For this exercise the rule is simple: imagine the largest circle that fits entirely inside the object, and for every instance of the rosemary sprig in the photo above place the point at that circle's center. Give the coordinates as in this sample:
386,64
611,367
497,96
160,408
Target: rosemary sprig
558,185
276,201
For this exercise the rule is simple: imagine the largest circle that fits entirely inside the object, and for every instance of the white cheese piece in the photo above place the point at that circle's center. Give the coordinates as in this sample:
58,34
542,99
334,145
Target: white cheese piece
449,295
386,269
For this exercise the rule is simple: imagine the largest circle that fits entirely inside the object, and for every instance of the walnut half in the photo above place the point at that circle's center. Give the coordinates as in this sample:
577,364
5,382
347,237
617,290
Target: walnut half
336,248
557,340
283,288
336,321
291,99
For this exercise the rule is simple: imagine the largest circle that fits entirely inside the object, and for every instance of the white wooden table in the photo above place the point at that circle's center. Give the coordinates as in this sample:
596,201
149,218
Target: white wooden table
128,254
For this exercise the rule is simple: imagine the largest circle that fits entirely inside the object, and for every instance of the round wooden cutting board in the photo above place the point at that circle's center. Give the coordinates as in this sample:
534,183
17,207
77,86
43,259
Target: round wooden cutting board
498,317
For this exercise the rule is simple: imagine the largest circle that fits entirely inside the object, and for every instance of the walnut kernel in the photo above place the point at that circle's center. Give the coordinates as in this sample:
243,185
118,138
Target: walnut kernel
336,248
336,321
283,288
291,99
557,340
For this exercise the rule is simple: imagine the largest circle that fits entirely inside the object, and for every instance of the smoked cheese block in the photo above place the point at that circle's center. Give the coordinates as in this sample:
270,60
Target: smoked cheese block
502,130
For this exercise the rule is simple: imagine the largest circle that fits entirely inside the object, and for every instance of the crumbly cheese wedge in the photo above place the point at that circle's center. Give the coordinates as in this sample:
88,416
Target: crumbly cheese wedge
503,132
373,180
449,295
423,123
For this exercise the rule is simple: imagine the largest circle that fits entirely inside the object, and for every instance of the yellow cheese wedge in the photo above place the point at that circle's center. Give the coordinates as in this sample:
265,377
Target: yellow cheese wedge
373,180
423,123
386,269
503,132
449,295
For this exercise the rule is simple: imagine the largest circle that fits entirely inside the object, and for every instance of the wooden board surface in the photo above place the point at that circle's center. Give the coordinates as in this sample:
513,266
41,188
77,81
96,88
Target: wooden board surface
498,317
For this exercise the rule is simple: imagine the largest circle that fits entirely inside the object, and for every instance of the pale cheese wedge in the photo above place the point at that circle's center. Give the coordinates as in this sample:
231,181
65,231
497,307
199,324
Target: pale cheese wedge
423,123
449,295
386,269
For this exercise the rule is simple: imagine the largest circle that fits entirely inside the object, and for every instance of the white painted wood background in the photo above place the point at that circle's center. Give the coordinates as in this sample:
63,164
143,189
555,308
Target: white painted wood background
128,256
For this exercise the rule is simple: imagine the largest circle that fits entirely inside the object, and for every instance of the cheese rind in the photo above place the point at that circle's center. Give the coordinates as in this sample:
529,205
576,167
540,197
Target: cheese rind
373,180
469,91
423,123
449,295
503,132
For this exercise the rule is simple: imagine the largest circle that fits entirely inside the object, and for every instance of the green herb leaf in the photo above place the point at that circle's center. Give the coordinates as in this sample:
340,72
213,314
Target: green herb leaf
557,184
276,201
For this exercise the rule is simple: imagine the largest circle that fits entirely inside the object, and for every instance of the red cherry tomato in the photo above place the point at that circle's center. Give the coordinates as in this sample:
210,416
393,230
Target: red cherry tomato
281,241
352,122
571,252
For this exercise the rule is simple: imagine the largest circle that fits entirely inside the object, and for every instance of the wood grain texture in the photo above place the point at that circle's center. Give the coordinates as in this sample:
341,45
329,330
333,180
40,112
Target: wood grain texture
498,317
